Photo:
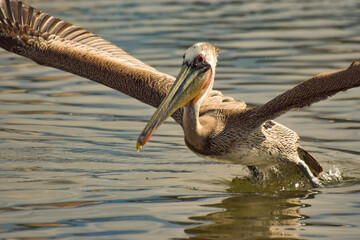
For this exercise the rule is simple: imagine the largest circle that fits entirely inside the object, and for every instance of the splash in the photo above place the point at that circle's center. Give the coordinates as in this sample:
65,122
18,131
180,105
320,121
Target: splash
331,177
282,178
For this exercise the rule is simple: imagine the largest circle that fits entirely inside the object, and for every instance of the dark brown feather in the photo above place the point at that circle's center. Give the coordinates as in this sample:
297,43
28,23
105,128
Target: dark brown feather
314,166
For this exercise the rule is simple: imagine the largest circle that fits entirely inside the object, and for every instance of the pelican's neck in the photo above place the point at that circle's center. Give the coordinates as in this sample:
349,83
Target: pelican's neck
195,131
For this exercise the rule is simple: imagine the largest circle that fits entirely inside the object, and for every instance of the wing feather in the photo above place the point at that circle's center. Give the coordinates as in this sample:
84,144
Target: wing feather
53,42
313,90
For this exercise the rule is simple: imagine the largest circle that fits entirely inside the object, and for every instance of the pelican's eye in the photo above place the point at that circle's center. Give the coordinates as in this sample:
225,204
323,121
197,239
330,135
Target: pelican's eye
200,59
184,56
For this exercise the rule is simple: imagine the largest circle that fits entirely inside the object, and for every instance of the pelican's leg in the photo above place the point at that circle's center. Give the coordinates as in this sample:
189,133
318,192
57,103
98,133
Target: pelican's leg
255,172
315,182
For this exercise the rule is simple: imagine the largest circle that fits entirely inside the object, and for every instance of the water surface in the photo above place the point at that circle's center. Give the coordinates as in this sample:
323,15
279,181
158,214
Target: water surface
69,168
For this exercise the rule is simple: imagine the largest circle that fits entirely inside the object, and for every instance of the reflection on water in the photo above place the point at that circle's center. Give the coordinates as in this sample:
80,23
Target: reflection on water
69,168
251,216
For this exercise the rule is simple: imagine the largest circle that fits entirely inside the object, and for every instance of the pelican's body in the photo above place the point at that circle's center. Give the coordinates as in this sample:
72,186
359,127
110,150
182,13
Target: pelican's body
215,126
226,135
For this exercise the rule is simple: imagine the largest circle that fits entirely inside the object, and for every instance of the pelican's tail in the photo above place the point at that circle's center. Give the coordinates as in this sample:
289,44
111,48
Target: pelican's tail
310,161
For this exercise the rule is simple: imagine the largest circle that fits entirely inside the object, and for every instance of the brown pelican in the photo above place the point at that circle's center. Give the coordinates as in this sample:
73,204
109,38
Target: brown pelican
215,126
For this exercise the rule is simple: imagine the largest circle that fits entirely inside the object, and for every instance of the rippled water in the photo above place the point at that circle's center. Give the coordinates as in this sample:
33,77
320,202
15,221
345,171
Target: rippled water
69,168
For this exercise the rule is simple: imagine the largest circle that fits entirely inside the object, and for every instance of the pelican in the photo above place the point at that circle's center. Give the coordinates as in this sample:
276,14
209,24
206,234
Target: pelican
215,126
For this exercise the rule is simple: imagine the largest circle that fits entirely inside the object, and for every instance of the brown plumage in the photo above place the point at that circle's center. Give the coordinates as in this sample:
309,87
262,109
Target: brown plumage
231,132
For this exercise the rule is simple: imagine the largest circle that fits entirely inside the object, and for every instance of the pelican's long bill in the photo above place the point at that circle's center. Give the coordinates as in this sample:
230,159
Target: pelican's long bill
188,85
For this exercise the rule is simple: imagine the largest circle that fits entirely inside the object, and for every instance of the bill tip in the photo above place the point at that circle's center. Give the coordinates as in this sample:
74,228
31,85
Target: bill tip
138,146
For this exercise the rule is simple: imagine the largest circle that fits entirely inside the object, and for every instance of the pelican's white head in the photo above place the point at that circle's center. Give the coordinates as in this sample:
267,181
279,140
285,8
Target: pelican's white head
207,51
193,83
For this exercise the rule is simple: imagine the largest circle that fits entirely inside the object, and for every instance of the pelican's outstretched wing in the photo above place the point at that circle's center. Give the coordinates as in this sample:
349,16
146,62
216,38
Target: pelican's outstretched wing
53,42
306,93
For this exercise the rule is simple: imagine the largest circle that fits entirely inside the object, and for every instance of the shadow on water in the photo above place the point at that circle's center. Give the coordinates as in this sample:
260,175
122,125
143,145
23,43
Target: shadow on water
283,178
